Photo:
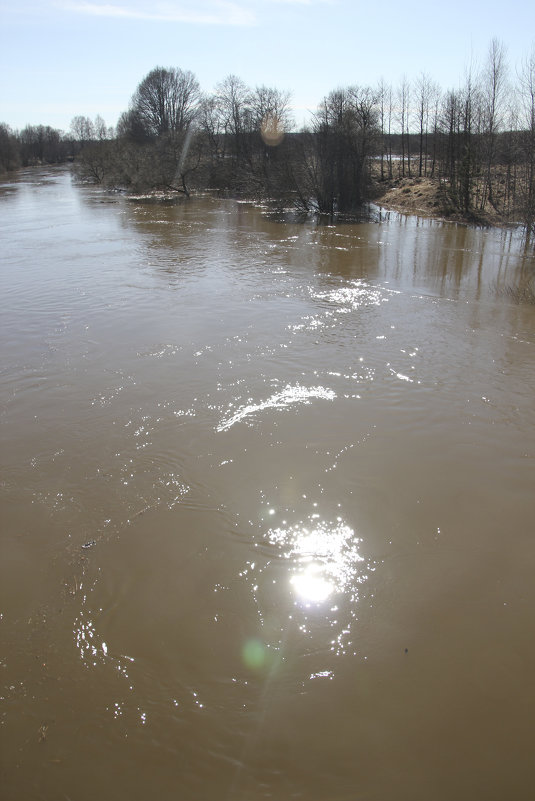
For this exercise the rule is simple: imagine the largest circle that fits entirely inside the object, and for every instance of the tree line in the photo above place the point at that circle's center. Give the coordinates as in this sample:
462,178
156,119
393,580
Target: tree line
42,144
477,142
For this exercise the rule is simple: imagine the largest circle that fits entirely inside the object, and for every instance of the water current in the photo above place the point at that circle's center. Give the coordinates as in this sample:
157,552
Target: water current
267,503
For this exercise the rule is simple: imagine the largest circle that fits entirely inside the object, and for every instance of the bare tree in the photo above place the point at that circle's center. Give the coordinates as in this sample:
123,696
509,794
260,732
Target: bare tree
468,152
436,100
345,134
234,105
100,129
271,113
494,87
404,93
527,97
424,93
166,101
384,98
449,125
82,129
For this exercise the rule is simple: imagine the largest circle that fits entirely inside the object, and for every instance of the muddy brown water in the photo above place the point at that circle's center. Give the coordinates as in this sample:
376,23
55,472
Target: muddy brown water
267,504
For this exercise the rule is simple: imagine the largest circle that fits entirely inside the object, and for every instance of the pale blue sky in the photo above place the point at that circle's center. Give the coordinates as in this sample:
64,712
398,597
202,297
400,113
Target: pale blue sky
60,58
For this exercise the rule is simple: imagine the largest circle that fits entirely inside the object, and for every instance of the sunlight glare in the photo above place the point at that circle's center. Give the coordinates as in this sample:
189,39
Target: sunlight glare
325,556
311,586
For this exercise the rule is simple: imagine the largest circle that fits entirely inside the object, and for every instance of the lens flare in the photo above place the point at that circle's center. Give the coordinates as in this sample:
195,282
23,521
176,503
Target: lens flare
254,654
272,130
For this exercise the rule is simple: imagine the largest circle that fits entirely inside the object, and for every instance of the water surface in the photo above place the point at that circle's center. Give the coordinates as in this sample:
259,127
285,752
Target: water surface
267,504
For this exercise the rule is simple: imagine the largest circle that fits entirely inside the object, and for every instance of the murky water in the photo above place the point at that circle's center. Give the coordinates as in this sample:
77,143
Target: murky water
267,504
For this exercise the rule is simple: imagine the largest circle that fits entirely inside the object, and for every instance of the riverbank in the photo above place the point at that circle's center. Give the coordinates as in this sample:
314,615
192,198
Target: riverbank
427,197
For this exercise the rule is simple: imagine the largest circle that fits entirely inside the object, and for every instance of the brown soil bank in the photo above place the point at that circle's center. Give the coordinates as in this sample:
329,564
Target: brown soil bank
427,197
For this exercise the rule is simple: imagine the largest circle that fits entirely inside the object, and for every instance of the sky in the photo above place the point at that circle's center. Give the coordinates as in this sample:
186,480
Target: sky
62,58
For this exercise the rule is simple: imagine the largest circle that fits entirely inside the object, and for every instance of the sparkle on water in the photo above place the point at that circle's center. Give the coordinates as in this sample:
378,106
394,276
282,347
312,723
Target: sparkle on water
288,396
324,557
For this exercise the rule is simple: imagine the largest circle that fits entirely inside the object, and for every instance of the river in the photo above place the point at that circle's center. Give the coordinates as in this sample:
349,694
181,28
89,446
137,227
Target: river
267,504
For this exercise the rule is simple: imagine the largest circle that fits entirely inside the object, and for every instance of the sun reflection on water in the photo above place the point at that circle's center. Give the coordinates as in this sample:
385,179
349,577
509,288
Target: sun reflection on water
311,586
322,576
325,558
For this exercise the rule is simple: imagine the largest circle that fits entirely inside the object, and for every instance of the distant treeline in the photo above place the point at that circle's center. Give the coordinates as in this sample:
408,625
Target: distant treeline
477,142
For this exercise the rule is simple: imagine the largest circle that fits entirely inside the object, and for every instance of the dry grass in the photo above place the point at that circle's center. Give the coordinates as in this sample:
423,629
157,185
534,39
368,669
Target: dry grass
413,196
428,197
